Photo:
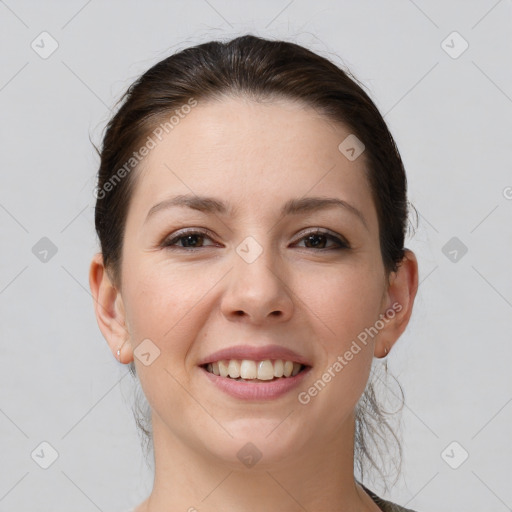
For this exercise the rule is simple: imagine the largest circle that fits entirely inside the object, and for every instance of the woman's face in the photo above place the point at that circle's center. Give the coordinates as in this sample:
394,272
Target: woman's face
253,282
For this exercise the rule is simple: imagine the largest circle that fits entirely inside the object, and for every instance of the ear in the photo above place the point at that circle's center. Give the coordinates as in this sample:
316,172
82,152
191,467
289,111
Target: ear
109,310
397,303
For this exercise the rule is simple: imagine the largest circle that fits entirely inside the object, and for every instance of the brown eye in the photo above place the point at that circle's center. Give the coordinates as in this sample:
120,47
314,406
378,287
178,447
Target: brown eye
189,240
316,241
319,239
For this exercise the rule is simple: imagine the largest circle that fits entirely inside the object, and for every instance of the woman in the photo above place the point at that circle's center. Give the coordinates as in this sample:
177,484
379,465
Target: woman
251,210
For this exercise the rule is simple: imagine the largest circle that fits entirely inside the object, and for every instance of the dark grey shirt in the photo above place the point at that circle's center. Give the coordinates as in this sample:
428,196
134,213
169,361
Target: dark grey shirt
385,506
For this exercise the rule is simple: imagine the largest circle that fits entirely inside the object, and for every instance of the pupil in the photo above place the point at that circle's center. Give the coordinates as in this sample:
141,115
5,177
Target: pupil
312,237
190,238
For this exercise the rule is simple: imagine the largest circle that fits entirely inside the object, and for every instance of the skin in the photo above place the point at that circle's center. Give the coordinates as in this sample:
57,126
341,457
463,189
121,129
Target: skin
255,157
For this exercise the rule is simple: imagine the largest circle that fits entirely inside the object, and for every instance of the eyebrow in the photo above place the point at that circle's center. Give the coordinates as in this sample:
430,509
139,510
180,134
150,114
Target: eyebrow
292,207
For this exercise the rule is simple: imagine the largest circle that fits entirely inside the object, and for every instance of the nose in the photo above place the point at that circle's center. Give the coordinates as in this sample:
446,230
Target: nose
257,291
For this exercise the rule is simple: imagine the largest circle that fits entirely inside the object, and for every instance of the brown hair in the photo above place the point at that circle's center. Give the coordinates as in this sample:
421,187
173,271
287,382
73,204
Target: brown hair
258,69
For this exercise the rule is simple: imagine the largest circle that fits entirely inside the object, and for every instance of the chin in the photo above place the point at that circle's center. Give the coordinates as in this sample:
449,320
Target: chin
264,442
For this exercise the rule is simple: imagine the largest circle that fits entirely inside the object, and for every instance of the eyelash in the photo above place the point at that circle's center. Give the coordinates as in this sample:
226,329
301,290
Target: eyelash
169,242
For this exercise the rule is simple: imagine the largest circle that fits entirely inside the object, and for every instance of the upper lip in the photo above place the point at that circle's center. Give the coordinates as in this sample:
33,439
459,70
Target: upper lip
252,353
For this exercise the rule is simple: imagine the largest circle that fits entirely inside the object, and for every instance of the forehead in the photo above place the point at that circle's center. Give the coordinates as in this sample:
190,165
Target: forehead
252,154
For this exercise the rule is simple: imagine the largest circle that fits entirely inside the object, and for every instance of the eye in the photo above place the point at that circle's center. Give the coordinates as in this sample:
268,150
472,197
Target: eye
318,239
192,239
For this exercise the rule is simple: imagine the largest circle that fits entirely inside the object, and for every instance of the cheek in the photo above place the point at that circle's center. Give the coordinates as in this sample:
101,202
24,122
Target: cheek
163,304
345,302
162,307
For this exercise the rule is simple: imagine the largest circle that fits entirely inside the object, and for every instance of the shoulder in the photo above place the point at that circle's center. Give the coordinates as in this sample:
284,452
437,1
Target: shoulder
385,506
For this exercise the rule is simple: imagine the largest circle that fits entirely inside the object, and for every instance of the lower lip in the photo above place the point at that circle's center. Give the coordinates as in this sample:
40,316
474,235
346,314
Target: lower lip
259,390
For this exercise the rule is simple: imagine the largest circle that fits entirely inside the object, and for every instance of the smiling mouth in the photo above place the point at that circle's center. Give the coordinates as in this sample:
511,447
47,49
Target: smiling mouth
257,371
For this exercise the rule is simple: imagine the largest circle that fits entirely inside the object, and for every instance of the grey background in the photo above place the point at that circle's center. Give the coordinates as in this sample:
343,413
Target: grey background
451,118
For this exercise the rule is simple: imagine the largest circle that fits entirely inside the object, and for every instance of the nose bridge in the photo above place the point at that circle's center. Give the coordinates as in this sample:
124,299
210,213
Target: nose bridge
257,287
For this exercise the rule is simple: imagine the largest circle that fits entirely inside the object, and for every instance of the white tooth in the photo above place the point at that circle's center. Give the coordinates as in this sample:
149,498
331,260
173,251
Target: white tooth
278,368
215,368
296,369
265,370
234,369
209,368
288,368
223,368
248,369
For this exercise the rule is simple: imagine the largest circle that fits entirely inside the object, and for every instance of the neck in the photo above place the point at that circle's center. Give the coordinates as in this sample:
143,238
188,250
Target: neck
318,479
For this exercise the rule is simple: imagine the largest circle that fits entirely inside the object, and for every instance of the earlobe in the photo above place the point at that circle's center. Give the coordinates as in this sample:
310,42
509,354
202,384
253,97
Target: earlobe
401,292
108,307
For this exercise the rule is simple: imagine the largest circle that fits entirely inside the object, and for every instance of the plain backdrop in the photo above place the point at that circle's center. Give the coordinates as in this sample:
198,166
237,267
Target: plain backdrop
447,98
